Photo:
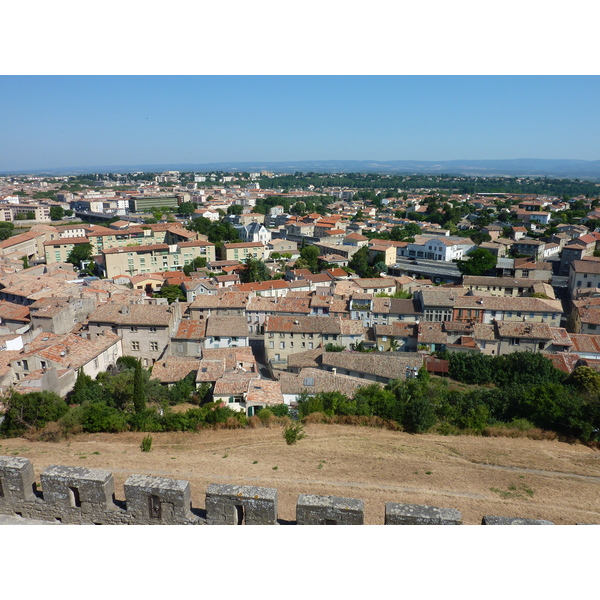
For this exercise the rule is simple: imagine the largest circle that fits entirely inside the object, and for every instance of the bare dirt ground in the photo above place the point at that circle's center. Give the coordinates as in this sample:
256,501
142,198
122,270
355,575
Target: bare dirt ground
479,476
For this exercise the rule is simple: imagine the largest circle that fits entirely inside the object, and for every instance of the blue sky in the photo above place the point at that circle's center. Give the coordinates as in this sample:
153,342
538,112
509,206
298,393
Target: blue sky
64,121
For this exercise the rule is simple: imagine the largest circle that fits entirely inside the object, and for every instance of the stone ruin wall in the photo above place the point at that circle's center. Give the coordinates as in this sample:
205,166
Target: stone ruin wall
83,496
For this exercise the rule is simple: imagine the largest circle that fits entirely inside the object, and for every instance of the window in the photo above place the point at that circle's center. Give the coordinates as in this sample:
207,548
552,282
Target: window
271,345
135,345
133,329
152,329
282,345
154,346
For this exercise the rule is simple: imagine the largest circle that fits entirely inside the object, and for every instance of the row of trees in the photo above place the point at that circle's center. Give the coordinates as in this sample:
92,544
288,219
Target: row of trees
529,392
538,398
122,398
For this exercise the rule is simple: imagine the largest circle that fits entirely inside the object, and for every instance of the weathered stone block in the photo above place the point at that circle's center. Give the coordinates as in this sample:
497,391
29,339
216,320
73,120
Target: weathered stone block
329,510
240,505
17,479
77,487
487,520
416,514
157,499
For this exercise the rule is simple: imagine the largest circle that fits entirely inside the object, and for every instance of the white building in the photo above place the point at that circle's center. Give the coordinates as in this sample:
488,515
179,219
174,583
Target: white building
443,248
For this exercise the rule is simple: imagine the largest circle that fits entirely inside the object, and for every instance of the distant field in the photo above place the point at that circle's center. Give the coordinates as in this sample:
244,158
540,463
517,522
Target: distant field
479,476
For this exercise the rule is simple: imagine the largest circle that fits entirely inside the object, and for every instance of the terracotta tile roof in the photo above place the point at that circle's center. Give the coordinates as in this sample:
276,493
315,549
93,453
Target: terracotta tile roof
261,286
431,333
233,384
13,312
530,330
386,365
585,343
509,303
235,358
66,241
264,391
230,326
71,351
210,370
243,245
397,329
226,299
323,325
18,239
564,362
174,369
587,266
310,358
190,330
560,336
132,314
316,381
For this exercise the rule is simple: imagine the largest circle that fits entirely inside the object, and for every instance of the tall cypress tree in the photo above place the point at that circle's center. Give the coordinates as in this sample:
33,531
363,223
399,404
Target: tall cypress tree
139,393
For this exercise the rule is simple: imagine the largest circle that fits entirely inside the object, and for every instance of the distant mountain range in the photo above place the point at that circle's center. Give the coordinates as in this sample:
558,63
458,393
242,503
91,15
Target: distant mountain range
519,167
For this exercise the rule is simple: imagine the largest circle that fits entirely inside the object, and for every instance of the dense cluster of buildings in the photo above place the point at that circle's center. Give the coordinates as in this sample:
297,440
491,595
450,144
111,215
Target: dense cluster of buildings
266,342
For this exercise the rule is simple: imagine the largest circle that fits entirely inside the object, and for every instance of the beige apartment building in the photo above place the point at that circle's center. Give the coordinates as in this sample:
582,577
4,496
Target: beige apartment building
242,251
138,260
105,238
28,244
10,212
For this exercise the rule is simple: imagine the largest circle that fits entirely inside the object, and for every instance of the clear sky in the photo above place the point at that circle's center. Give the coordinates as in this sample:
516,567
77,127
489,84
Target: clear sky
63,121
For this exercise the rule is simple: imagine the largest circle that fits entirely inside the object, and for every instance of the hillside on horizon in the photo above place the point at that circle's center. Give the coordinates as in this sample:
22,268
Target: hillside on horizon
520,167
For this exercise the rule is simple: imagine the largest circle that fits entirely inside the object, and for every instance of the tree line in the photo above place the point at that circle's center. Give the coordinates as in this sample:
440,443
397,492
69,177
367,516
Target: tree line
528,393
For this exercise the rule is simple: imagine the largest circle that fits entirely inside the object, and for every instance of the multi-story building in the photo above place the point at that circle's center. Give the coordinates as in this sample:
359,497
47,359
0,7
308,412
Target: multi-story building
285,335
146,330
137,260
584,275
244,250
443,248
144,203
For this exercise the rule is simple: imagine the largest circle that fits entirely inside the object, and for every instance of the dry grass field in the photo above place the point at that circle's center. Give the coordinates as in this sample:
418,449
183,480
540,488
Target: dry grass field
477,475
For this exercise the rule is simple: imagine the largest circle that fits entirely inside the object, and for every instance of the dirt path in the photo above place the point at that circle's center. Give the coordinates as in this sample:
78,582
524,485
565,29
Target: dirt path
479,476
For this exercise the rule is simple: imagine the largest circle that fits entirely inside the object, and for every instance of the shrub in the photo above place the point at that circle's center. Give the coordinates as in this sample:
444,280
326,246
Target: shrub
265,416
418,415
146,444
31,411
97,417
280,410
253,422
293,432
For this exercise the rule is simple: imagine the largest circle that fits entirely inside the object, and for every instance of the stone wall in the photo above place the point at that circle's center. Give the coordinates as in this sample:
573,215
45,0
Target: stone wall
86,496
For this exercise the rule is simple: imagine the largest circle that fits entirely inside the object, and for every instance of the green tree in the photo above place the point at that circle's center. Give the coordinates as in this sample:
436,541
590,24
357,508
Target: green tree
256,270
171,292
311,255
479,261
139,392
31,411
6,230
57,213
186,209
80,253
235,209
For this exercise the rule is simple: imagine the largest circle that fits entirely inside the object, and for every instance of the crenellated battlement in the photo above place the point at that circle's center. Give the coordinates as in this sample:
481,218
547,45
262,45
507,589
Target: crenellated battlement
87,496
